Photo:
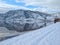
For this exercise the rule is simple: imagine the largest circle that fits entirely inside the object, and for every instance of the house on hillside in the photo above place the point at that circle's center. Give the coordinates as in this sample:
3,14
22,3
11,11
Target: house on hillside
57,17
56,20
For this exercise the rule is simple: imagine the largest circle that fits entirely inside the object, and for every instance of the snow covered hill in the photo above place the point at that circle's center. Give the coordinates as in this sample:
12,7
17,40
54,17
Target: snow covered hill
24,20
49,35
5,33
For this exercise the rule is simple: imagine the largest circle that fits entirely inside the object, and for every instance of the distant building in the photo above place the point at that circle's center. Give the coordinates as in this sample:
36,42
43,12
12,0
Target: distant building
57,20
57,17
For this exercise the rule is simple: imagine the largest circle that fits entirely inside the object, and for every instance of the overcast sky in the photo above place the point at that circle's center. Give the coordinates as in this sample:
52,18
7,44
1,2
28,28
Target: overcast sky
47,6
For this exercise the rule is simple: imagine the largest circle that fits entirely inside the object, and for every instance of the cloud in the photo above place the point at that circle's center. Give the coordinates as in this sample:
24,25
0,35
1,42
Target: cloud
42,5
45,10
4,7
18,1
45,3
51,4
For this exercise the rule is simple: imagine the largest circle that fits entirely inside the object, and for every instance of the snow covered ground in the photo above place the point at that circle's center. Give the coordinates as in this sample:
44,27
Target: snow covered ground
49,35
5,33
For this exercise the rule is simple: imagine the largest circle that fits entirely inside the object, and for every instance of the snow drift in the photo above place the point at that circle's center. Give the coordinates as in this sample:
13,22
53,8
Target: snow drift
49,35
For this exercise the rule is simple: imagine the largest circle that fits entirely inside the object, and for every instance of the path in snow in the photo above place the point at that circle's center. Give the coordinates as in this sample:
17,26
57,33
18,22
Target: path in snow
49,35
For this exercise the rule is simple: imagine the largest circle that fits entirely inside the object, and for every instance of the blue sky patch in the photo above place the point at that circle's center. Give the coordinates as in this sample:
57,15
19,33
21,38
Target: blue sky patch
13,2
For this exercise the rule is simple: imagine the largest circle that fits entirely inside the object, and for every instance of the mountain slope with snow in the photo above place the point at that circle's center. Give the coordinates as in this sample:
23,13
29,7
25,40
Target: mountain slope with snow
23,20
49,35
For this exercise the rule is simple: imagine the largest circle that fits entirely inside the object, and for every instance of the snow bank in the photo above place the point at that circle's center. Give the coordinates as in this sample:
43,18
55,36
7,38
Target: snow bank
49,35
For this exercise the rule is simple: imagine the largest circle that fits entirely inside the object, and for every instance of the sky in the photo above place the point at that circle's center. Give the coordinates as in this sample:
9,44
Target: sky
47,6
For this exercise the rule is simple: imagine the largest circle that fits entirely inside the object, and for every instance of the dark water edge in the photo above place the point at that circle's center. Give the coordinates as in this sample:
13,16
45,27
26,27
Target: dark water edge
8,37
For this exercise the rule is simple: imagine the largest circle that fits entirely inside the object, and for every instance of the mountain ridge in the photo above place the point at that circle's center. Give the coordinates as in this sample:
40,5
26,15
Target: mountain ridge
23,19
